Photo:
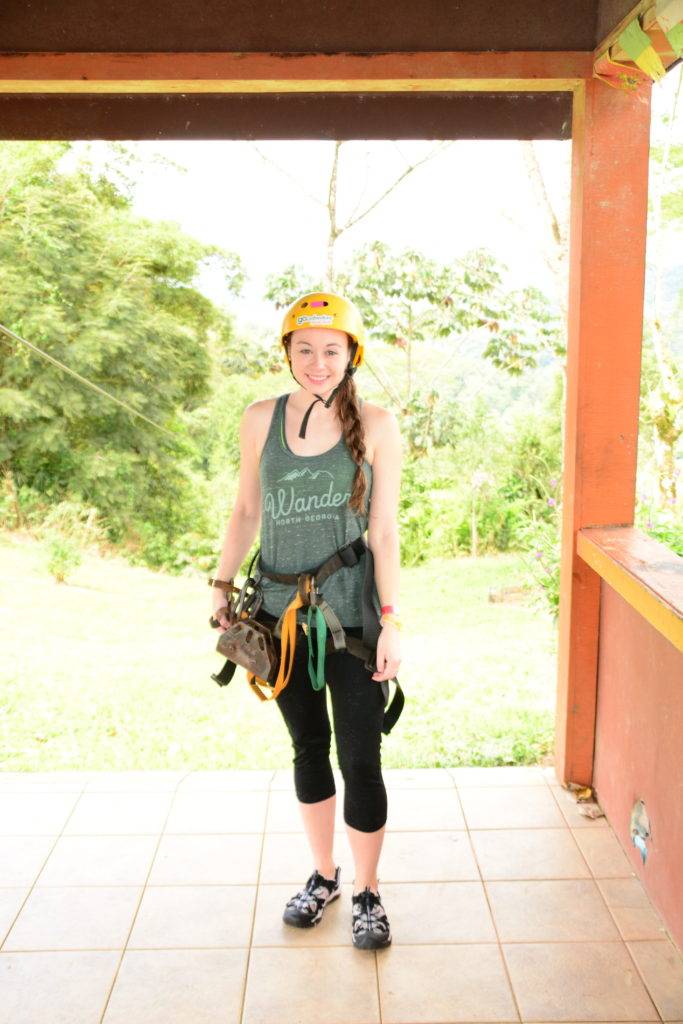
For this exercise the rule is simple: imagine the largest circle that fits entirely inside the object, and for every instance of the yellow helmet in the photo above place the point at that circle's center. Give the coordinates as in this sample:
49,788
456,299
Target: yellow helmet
325,309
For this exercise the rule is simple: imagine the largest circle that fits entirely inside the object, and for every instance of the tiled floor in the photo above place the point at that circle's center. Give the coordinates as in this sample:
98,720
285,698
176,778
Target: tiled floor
156,898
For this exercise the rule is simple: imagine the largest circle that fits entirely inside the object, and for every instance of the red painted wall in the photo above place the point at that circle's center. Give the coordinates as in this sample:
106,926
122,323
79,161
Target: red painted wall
639,747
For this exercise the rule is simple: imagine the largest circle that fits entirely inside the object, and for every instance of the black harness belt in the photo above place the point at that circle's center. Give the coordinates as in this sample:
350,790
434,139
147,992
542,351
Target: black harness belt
329,631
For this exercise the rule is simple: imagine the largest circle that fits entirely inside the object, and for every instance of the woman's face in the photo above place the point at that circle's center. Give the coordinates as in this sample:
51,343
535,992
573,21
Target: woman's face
319,357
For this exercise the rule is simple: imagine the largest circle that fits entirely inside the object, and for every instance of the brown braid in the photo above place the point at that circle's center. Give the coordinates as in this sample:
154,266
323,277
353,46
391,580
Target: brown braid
349,414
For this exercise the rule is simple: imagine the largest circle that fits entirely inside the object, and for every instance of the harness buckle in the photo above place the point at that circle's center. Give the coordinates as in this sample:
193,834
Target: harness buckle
348,554
304,586
313,594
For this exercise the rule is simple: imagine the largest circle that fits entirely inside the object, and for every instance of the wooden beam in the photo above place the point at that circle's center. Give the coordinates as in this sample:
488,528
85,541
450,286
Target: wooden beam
608,223
267,72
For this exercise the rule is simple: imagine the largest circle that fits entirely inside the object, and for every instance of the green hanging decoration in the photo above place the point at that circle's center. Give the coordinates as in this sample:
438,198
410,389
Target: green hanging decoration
638,46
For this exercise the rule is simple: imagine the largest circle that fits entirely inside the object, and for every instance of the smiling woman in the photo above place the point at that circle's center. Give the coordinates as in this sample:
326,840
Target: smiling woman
315,495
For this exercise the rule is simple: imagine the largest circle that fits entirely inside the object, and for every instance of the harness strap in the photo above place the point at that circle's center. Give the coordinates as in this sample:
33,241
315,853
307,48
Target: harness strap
288,648
349,556
317,673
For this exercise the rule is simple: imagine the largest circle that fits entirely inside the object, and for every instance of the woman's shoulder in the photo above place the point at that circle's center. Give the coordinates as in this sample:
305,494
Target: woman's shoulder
375,420
256,420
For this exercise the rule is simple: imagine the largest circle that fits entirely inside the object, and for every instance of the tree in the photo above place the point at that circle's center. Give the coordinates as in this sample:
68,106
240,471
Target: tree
110,295
664,398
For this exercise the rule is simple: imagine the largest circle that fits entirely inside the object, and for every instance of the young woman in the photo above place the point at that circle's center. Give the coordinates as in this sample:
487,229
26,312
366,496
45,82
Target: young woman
318,468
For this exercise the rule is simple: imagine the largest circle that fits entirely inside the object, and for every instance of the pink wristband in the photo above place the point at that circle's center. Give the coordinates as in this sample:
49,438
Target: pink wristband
390,609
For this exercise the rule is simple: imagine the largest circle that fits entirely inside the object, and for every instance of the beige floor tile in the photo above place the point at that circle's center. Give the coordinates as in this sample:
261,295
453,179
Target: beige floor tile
427,857
603,853
99,860
570,810
417,778
55,987
29,814
22,857
142,781
287,858
528,853
283,778
661,966
43,782
550,911
577,981
437,912
233,779
435,984
218,811
119,813
75,918
549,773
174,986
507,807
499,775
635,916
207,860
423,809
187,916
284,814
333,929
311,986
11,898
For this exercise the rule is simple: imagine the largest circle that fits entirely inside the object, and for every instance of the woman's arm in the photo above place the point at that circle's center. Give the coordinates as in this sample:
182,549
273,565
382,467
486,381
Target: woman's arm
383,538
245,519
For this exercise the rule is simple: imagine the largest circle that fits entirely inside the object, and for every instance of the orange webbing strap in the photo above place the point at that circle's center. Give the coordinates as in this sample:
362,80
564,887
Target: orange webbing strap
288,646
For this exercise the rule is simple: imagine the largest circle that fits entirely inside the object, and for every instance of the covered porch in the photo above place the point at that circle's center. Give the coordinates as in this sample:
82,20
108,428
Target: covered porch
156,897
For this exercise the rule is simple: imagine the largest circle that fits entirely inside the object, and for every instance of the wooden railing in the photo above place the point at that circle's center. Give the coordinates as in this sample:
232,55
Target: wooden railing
647,574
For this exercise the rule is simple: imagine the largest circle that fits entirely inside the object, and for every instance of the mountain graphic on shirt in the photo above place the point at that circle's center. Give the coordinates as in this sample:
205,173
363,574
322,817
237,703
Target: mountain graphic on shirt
297,474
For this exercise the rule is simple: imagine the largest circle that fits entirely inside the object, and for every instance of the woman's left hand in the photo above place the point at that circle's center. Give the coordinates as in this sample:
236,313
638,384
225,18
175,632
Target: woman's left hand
388,656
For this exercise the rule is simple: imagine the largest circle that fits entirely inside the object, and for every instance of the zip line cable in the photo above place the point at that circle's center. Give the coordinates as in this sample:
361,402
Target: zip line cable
84,380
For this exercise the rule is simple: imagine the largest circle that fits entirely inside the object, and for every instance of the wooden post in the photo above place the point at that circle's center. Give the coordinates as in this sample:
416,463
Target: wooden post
610,150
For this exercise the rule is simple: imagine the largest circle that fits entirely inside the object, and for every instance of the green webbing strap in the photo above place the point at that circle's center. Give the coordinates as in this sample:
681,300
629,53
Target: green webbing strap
317,675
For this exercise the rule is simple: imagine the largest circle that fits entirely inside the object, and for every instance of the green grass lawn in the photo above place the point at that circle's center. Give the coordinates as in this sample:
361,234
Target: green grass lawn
112,671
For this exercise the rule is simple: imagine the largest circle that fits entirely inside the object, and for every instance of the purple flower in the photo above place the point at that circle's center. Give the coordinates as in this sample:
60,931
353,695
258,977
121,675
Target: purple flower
553,482
551,501
539,554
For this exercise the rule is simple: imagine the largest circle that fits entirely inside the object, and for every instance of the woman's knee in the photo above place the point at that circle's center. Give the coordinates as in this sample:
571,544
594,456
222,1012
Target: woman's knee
365,795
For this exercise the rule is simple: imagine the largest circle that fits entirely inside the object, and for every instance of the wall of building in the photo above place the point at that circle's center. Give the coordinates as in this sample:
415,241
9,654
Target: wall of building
639,747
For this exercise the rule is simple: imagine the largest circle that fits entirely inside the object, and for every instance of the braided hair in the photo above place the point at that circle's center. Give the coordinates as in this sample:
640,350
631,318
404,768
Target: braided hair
354,435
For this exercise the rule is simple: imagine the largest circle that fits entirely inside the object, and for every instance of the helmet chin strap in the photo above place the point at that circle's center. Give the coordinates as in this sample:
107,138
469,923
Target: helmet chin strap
348,372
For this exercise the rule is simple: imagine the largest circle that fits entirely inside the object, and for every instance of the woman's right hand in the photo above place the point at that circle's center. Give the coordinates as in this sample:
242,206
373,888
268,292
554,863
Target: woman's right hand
220,614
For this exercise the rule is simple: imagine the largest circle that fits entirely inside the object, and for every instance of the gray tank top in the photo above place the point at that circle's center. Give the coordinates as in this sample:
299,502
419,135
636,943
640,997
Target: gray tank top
305,518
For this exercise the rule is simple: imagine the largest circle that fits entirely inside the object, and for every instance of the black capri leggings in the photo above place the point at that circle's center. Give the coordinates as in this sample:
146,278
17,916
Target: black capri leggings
358,709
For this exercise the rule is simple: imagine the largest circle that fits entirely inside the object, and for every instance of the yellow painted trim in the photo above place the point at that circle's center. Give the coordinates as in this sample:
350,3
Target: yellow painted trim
662,616
269,85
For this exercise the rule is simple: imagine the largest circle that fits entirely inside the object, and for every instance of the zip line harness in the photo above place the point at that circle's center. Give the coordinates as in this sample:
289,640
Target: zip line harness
249,643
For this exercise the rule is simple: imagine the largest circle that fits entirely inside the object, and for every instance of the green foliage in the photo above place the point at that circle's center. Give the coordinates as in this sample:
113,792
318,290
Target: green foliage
415,519
112,296
63,556
541,537
664,524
